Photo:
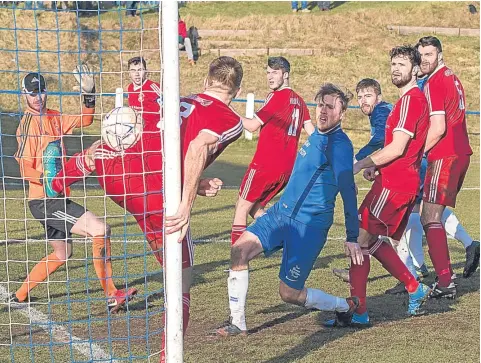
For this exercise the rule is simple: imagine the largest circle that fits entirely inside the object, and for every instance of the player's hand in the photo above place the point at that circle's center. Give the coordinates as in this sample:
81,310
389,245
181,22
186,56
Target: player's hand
84,78
369,173
209,187
356,168
178,222
354,251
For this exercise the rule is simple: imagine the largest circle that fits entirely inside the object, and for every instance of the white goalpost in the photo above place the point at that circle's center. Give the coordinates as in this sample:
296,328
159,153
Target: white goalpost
172,180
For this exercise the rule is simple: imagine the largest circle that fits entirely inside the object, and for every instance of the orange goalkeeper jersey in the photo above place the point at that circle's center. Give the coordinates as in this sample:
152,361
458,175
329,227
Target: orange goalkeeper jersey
38,134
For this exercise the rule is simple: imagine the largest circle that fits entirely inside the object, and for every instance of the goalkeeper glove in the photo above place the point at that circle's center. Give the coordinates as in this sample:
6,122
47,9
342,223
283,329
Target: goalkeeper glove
86,81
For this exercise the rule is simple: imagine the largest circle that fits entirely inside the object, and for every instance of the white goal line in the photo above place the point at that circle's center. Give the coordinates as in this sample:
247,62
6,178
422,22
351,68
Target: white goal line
90,350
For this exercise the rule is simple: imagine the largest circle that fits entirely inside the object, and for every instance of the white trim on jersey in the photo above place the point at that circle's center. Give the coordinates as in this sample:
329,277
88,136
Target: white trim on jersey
437,113
381,202
103,154
404,130
211,132
80,165
154,87
403,114
232,132
248,183
258,119
433,186
190,246
306,121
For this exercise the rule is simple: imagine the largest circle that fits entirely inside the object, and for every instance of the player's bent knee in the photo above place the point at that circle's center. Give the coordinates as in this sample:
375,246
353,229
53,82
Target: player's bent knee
288,294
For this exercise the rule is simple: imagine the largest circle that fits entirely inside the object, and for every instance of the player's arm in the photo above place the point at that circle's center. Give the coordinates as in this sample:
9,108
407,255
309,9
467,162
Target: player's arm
194,163
378,119
437,128
86,85
28,145
341,160
308,127
384,156
251,124
437,116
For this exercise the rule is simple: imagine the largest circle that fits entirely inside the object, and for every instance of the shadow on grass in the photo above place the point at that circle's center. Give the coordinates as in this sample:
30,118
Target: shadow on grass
382,309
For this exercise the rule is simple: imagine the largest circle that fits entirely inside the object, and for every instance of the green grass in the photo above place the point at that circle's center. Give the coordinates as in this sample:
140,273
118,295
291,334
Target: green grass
354,43
280,333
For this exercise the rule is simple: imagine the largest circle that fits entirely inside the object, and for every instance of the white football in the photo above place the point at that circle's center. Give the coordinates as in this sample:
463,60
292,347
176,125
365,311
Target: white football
121,128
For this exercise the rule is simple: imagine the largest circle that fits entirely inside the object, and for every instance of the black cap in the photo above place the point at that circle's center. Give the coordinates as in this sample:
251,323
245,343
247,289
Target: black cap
34,83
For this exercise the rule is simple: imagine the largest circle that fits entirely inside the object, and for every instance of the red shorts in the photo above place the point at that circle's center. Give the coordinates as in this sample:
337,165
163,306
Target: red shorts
444,179
261,186
385,212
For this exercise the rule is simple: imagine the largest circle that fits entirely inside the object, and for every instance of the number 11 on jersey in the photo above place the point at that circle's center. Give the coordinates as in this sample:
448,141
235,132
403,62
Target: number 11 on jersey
295,122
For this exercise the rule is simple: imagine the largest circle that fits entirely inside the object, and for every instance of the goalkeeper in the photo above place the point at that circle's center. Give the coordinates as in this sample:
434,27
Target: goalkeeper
40,155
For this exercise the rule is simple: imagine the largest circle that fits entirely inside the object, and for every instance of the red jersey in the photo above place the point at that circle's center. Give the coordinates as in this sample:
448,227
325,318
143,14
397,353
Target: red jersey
282,116
205,113
146,99
445,95
410,114
139,169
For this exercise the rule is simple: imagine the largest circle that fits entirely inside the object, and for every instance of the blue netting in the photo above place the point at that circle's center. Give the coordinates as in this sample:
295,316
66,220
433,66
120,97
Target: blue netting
68,318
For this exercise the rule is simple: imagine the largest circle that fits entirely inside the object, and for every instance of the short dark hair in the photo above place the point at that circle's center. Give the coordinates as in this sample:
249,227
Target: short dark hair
279,63
369,83
137,60
331,89
430,40
226,73
406,51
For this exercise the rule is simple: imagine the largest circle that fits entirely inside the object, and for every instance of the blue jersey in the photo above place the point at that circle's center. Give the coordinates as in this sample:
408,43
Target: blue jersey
323,168
377,119
421,82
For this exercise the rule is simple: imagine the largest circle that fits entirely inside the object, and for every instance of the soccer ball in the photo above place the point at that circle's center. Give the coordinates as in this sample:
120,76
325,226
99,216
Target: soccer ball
121,128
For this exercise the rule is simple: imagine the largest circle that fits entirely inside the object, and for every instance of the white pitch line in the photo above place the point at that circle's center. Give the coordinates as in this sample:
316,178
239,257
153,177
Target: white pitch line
92,351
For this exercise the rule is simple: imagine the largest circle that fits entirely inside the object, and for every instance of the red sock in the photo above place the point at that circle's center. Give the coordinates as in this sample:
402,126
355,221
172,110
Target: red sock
390,260
73,171
439,252
237,230
358,280
185,316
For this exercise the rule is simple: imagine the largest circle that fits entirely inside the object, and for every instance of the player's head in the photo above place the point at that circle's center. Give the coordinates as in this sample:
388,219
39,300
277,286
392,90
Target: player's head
34,88
278,69
137,70
224,77
332,103
368,95
405,61
431,52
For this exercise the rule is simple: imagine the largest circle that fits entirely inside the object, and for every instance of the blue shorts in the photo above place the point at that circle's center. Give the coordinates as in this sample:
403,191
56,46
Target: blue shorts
301,244
422,175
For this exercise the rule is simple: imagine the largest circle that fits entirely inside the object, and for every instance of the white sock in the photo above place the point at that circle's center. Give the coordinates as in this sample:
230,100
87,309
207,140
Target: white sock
405,256
454,228
414,239
318,299
237,284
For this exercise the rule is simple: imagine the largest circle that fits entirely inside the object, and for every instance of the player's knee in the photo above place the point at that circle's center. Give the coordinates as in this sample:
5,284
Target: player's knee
239,255
236,255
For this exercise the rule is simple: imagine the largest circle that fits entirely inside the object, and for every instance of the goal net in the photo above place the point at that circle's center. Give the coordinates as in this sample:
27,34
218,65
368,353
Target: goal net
66,317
